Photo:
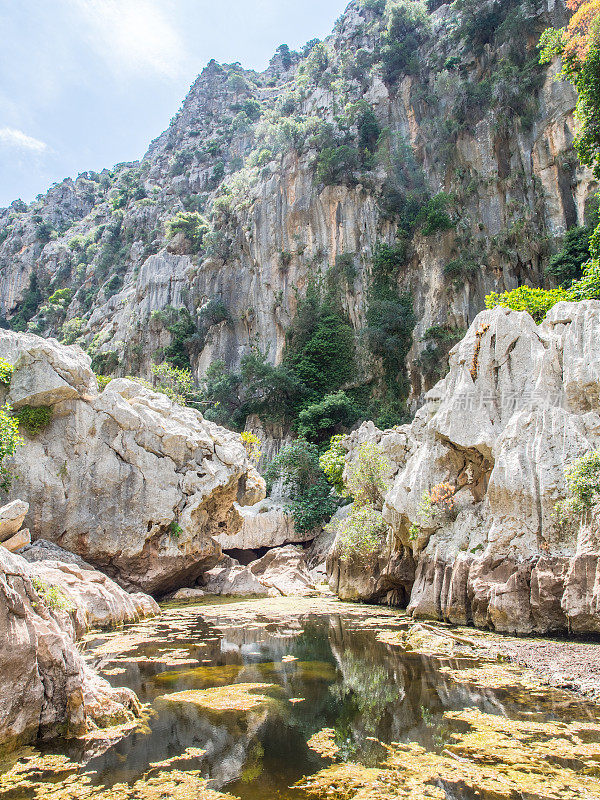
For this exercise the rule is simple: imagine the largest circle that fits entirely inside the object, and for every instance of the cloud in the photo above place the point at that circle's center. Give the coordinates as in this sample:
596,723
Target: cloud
11,137
133,35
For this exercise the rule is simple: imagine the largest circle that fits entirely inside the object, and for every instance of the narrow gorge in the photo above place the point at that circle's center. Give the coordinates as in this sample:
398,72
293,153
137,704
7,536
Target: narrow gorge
300,429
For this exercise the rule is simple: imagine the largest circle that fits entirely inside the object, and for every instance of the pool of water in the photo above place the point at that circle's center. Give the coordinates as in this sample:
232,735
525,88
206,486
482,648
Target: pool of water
318,671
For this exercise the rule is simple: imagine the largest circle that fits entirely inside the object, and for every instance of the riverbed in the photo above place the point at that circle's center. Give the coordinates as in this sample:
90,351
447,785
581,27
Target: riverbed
302,698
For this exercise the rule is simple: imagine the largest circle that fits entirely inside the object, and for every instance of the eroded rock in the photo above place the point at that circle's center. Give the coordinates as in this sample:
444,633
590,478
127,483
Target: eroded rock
519,403
135,484
47,689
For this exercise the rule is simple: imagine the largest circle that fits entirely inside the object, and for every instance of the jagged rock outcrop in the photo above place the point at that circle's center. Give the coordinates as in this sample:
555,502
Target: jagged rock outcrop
131,482
519,403
47,688
12,535
264,524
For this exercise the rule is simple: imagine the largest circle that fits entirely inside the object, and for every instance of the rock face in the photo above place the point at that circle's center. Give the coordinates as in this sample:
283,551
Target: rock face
47,689
128,480
264,524
519,403
281,571
91,598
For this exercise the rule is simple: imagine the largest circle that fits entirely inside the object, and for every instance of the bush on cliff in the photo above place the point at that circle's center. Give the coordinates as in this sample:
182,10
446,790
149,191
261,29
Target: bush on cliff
9,441
583,486
539,301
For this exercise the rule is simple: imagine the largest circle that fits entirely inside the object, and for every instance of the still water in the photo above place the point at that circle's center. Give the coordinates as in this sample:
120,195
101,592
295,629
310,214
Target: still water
316,670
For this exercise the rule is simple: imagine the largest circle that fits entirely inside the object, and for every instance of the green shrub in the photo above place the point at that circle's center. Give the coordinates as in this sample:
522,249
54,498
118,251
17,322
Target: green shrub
332,463
177,384
28,307
6,371
103,381
52,596
337,165
193,226
33,418
320,349
310,501
434,216
175,529
61,297
407,28
335,413
367,474
525,298
583,486
9,441
361,535
181,326
72,330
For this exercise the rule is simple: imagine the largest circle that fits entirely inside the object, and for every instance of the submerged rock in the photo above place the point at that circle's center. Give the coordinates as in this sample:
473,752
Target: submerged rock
133,483
47,689
519,403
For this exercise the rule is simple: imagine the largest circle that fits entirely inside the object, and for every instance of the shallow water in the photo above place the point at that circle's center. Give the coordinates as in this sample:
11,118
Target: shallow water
321,671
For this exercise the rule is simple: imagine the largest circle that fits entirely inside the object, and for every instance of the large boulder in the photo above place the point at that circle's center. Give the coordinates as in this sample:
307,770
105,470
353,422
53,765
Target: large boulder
281,571
519,403
47,688
264,524
132,482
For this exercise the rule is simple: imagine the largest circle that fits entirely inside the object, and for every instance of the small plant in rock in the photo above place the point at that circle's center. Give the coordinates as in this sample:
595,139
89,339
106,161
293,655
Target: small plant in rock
440,500
9,441
252,444
175,530
34,418
6,371
52,596
583,486
103,381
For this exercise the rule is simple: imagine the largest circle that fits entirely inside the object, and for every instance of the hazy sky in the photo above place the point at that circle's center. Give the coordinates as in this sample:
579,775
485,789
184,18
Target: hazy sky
85,84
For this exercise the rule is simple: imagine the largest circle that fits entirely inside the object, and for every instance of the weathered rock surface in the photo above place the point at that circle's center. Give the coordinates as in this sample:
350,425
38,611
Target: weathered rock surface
264,524
281,571
47,689
128,480
12,516
91,598
519,403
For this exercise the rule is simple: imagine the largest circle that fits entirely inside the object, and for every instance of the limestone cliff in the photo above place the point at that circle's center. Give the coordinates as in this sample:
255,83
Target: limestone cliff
520,403
327,154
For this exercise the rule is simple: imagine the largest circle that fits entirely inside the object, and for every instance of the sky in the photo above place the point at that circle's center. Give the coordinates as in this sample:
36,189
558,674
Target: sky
85,84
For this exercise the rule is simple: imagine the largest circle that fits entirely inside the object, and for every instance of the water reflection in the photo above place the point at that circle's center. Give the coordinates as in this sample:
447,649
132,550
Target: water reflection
323,672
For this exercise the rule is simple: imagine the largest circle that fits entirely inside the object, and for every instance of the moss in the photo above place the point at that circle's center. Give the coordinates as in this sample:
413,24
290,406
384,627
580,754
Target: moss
486,756
234,697
324,744
6,371
34,418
